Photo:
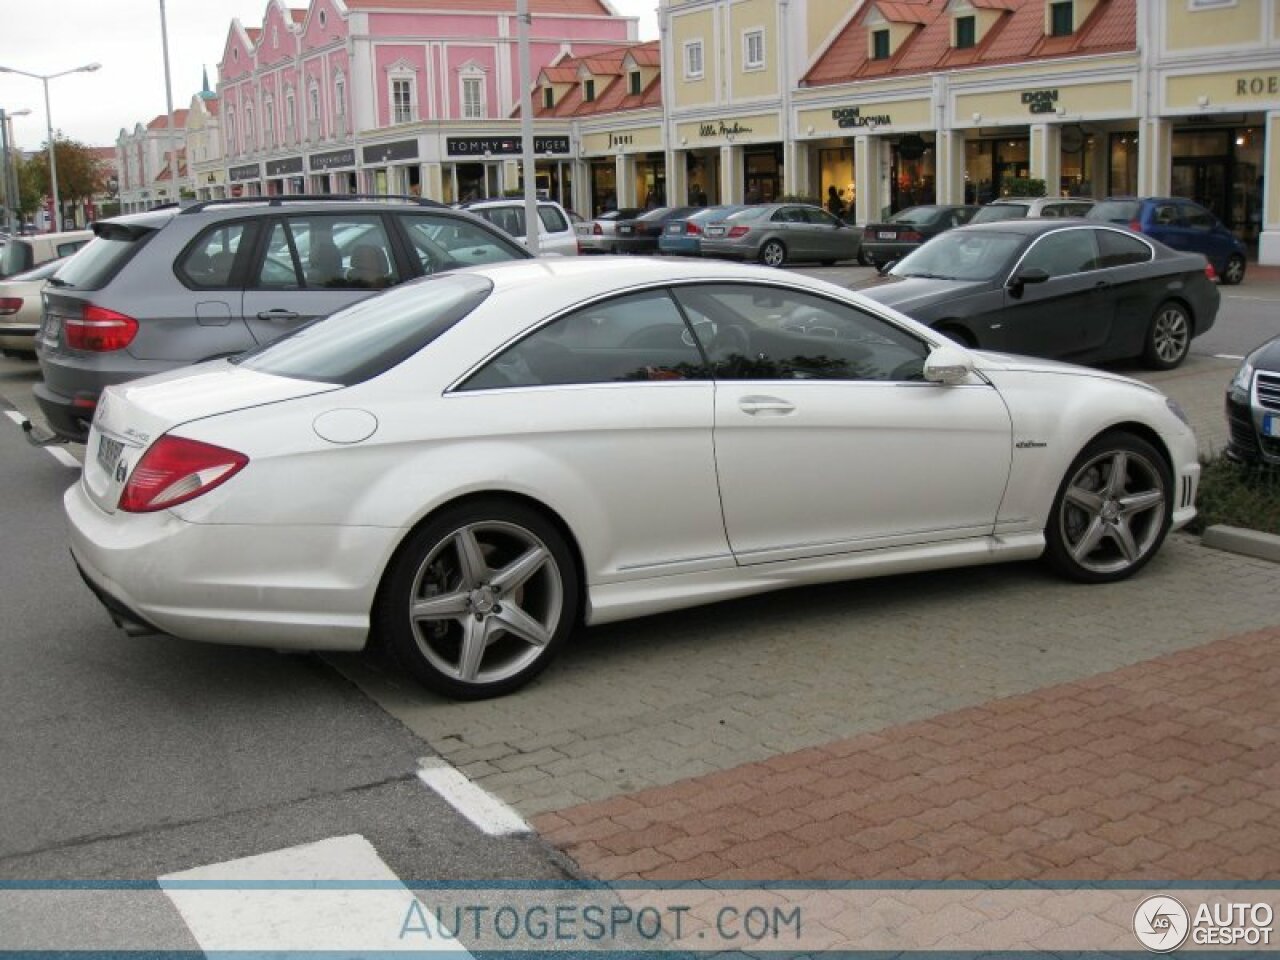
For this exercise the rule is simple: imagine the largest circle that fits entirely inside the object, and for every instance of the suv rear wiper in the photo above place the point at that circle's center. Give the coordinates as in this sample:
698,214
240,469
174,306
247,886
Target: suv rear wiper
55,282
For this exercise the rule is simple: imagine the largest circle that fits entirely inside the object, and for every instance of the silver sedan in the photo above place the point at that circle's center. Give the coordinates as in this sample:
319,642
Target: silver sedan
778,233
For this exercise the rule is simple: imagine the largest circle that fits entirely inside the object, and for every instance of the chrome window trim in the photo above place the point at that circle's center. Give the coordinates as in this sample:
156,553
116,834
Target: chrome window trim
1079,226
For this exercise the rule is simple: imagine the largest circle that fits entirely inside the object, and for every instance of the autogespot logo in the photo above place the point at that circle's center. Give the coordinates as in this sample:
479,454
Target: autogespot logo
1161,924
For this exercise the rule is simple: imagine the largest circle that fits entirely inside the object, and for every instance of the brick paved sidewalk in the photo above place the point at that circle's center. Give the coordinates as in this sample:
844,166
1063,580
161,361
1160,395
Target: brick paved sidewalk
1167,769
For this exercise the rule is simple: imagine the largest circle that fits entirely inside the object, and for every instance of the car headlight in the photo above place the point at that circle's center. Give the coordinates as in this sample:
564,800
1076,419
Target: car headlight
1242,381
1176,409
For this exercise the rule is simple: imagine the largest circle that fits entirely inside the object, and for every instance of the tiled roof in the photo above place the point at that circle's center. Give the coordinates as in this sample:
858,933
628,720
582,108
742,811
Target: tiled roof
1018,35
613,93
253,33
590,8
298,16
161,122
560,74
896,11
213,105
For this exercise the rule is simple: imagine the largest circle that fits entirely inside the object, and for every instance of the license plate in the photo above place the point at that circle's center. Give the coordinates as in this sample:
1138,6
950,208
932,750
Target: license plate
888,235
1271,425
108,452
626,229
675,227
582,230
715,231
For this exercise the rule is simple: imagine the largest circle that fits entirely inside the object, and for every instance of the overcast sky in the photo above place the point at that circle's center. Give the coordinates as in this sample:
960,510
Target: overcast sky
49,36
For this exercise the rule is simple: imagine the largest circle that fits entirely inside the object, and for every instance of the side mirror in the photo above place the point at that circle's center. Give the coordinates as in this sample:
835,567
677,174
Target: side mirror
948,365
1023,277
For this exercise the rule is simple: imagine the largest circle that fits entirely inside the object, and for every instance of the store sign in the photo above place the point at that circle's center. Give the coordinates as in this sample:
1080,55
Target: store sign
281,168
332,160
621,140
503,146
386,152
1257,86
848,117
1041,101
722,129
249,171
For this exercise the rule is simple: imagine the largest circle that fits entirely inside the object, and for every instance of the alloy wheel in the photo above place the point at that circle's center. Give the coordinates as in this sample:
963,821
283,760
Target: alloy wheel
1112,512
1170,335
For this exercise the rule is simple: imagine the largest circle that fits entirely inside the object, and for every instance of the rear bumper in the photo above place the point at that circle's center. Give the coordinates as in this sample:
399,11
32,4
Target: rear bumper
68,419
635,244
727,248
882,251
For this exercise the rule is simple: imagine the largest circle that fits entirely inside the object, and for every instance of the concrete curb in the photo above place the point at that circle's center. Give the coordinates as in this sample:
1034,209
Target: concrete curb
1251,543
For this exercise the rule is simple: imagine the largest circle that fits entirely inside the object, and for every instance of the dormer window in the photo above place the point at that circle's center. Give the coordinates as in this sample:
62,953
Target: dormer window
880,45
966,32
588,90
634,79
548,97
1061,18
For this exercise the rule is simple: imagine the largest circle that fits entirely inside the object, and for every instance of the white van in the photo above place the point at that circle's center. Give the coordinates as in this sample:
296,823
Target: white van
21,253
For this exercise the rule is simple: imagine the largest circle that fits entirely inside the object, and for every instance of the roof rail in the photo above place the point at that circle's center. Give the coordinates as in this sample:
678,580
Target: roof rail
281,199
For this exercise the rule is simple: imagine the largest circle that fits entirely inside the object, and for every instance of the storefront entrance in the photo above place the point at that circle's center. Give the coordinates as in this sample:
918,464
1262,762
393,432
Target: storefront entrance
990,164
912,177
1221,171
762,174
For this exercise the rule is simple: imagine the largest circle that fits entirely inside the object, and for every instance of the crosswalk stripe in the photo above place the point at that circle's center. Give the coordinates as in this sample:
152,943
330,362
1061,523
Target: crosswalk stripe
475,803
333,895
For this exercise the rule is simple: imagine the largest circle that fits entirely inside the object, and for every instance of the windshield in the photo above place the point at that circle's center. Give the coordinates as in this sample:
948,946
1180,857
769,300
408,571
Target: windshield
374,335
962,255
93,265
994,212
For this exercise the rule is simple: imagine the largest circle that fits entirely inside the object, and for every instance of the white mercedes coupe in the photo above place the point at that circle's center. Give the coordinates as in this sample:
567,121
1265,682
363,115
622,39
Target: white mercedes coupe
468,467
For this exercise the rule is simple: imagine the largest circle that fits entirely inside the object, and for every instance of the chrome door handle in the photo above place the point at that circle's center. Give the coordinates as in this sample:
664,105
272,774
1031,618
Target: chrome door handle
278,314
770,406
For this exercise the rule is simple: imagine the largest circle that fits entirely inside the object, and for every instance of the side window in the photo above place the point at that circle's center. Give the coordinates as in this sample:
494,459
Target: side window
208,262
1197,217
1063,253
340,252
279,270
638,337
1051,210
1119,249
552,220
510,219
1166,215
444,243
819,217
1078,209
66,249
756,332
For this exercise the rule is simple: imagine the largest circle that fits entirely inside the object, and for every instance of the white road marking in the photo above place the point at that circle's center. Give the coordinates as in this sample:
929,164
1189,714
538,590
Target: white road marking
59,454
475,803
1227,356
1236,296
334,895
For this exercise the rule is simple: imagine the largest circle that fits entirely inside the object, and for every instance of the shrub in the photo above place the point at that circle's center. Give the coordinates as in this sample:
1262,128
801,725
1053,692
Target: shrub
1238,495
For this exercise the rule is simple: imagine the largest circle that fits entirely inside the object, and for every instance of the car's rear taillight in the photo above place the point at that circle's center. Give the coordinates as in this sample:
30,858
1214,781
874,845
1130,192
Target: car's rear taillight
597,230
99,330
735,232
910,236
692,229
1211,273
176,470
10,305
1135,226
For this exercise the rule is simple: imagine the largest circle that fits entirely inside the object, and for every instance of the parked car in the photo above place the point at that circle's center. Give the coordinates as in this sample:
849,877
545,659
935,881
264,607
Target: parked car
907,229
20,309
555,232
597,236
165,288
22,253
1075,290
640,234
682,236
1019,208
507,453
1182,225
1253,407
778,233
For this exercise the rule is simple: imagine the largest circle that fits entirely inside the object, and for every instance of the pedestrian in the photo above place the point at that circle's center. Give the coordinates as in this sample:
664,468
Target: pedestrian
835,206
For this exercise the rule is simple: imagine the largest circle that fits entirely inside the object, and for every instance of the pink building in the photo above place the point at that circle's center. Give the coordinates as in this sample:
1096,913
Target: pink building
395,96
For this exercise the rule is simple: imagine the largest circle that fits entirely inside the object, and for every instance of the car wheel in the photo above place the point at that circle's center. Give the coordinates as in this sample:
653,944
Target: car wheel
864,259
1112,511
1234,273
479,600
1168,336
773,254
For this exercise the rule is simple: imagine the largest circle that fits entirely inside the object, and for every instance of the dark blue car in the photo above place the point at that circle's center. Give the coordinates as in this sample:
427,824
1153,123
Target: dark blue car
1180,224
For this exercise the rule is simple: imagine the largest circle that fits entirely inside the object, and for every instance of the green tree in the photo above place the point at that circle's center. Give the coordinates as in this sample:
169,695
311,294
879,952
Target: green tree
80,176
30,191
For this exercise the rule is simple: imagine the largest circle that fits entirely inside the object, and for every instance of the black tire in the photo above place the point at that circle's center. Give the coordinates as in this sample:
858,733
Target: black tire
773,253
458,559
1169,334
1234,273
1106,527
827,263
864,259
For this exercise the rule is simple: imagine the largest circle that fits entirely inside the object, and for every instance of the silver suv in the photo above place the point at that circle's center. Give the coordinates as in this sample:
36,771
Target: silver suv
162,289
555,232
1018,208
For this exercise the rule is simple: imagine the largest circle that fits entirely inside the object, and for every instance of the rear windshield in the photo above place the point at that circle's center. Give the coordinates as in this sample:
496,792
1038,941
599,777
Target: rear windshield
749,213
1000,211
374,335
15,256
1117,211
917,215
95,264
42,272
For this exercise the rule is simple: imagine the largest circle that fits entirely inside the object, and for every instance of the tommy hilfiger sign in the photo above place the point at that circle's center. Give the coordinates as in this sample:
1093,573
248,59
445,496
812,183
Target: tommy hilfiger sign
502,146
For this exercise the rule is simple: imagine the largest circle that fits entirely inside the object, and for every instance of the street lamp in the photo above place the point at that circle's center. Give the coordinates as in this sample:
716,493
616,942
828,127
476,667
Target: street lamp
10,182
48,118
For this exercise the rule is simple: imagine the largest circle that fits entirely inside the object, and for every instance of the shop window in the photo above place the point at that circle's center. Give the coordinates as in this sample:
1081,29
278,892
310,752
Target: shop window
880,47
634,78
693,60
966,32
588,90
1061,18
753,50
